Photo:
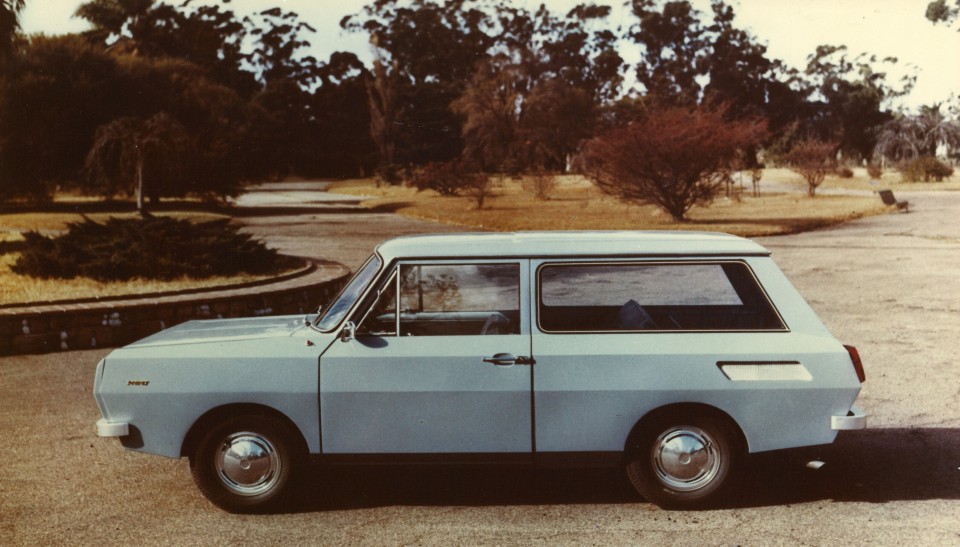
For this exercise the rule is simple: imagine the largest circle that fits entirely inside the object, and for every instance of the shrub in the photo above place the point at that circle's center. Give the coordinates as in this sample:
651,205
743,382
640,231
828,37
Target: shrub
924,169
874,170
845,172
392,174
672,157
447,179
151,248
812,159
477,186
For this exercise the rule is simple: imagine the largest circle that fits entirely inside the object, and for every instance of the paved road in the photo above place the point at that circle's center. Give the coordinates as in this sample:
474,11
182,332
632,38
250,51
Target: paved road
301,219
885,284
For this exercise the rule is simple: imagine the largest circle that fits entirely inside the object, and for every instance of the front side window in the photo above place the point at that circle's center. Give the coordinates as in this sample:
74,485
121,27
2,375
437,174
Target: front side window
614,297
448,300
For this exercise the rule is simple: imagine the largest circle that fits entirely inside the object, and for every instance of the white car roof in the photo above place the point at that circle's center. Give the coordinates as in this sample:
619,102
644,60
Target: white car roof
569,244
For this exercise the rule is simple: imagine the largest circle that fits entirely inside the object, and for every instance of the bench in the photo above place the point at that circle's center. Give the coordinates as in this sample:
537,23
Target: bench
889,199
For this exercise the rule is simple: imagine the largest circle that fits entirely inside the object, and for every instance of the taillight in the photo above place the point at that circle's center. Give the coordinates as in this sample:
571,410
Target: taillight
857,363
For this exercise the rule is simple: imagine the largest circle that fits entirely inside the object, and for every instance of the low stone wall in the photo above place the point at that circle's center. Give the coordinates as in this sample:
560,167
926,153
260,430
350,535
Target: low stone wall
111,325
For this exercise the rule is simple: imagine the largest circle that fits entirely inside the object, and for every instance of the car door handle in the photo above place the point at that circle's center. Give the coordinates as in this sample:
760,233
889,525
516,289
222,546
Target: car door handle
506,359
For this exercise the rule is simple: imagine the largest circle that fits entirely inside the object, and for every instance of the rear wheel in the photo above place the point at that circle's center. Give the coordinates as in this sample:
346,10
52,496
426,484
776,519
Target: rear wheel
683,461
246,463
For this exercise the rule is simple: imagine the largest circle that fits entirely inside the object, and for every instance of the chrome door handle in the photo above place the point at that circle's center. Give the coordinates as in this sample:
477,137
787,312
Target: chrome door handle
506,359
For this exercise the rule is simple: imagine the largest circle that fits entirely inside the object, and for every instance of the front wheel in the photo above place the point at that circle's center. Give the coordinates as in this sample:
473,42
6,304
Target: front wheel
246,463
682,461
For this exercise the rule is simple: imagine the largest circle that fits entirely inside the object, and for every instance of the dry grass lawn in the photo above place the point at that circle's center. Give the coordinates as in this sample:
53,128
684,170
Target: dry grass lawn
18,289
576,204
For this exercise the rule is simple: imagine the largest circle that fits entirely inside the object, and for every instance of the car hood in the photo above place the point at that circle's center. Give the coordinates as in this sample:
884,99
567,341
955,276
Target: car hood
221,330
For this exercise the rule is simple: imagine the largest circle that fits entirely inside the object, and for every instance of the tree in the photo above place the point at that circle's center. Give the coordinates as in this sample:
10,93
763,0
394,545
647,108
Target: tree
847,98
9,25
128,152
908,137
44,133
427,51
674,46
689,58
530,104
939,11
111,18
813,160
262,48
673,157
385,110
556,118
343,144
488,106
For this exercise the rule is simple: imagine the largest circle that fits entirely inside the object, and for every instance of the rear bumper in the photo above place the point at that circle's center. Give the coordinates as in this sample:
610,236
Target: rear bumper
112,429
855,419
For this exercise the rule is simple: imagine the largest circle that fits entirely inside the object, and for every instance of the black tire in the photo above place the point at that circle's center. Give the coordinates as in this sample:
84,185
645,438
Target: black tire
247,463
684,461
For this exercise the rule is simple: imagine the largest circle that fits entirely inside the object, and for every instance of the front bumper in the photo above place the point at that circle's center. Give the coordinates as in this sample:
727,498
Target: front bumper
112,429
855,419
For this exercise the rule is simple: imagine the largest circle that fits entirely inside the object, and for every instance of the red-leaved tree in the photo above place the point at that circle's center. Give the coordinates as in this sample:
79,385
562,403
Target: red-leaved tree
813,160
673,157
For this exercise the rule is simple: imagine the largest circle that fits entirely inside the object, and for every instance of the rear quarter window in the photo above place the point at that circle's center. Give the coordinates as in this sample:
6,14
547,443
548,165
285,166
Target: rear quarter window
614,297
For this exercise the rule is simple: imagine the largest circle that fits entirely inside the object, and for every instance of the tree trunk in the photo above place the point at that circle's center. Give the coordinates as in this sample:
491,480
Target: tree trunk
139,183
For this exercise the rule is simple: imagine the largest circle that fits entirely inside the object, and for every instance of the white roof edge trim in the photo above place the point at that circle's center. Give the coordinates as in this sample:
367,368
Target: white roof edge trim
569,244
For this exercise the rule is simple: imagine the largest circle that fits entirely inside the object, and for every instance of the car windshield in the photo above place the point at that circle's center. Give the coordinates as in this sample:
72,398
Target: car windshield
341,305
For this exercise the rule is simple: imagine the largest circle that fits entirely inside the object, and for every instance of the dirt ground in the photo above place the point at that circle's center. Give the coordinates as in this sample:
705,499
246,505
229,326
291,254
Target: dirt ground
887,284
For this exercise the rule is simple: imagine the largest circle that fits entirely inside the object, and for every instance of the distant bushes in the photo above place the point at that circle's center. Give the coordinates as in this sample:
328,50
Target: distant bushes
844,172
151,248
925,168
445,179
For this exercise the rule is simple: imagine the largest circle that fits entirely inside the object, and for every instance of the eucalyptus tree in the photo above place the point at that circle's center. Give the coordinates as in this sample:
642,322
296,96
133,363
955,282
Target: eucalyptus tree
9,25
940,11
55,94
689,57
851,97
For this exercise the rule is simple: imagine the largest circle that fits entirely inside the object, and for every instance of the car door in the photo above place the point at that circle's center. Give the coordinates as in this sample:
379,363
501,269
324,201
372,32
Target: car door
449,374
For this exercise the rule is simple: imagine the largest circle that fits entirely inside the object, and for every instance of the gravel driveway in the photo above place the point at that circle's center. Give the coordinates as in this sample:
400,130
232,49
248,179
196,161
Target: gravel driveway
888,285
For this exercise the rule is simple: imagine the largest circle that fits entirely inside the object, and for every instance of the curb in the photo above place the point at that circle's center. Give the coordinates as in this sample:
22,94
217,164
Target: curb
98,324
307,268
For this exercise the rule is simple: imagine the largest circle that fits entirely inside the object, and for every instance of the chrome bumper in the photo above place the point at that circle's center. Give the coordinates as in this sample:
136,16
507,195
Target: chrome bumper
855,419
112,429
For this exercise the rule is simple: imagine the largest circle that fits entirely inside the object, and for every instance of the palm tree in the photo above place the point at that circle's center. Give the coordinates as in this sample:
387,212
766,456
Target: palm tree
9,25
125,148
910,137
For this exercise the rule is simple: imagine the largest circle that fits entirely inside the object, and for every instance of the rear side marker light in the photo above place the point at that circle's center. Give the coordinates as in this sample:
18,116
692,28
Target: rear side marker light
765,372
857,363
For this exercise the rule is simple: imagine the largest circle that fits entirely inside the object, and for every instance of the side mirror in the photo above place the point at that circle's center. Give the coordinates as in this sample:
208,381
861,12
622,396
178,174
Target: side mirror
349,332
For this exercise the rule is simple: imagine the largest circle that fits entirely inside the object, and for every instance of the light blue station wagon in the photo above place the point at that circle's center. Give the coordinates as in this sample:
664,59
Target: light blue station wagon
672,354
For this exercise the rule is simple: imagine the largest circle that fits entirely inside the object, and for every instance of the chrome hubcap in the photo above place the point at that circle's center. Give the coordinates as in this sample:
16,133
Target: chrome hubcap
685,458
248,464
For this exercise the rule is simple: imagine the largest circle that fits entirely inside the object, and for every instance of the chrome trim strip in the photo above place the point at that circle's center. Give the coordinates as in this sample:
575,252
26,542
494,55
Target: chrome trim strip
855,419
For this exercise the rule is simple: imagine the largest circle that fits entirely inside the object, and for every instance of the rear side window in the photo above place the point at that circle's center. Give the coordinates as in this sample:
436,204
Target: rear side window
611,297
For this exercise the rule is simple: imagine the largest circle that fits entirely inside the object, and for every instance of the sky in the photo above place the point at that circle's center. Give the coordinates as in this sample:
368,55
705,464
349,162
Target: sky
791,29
